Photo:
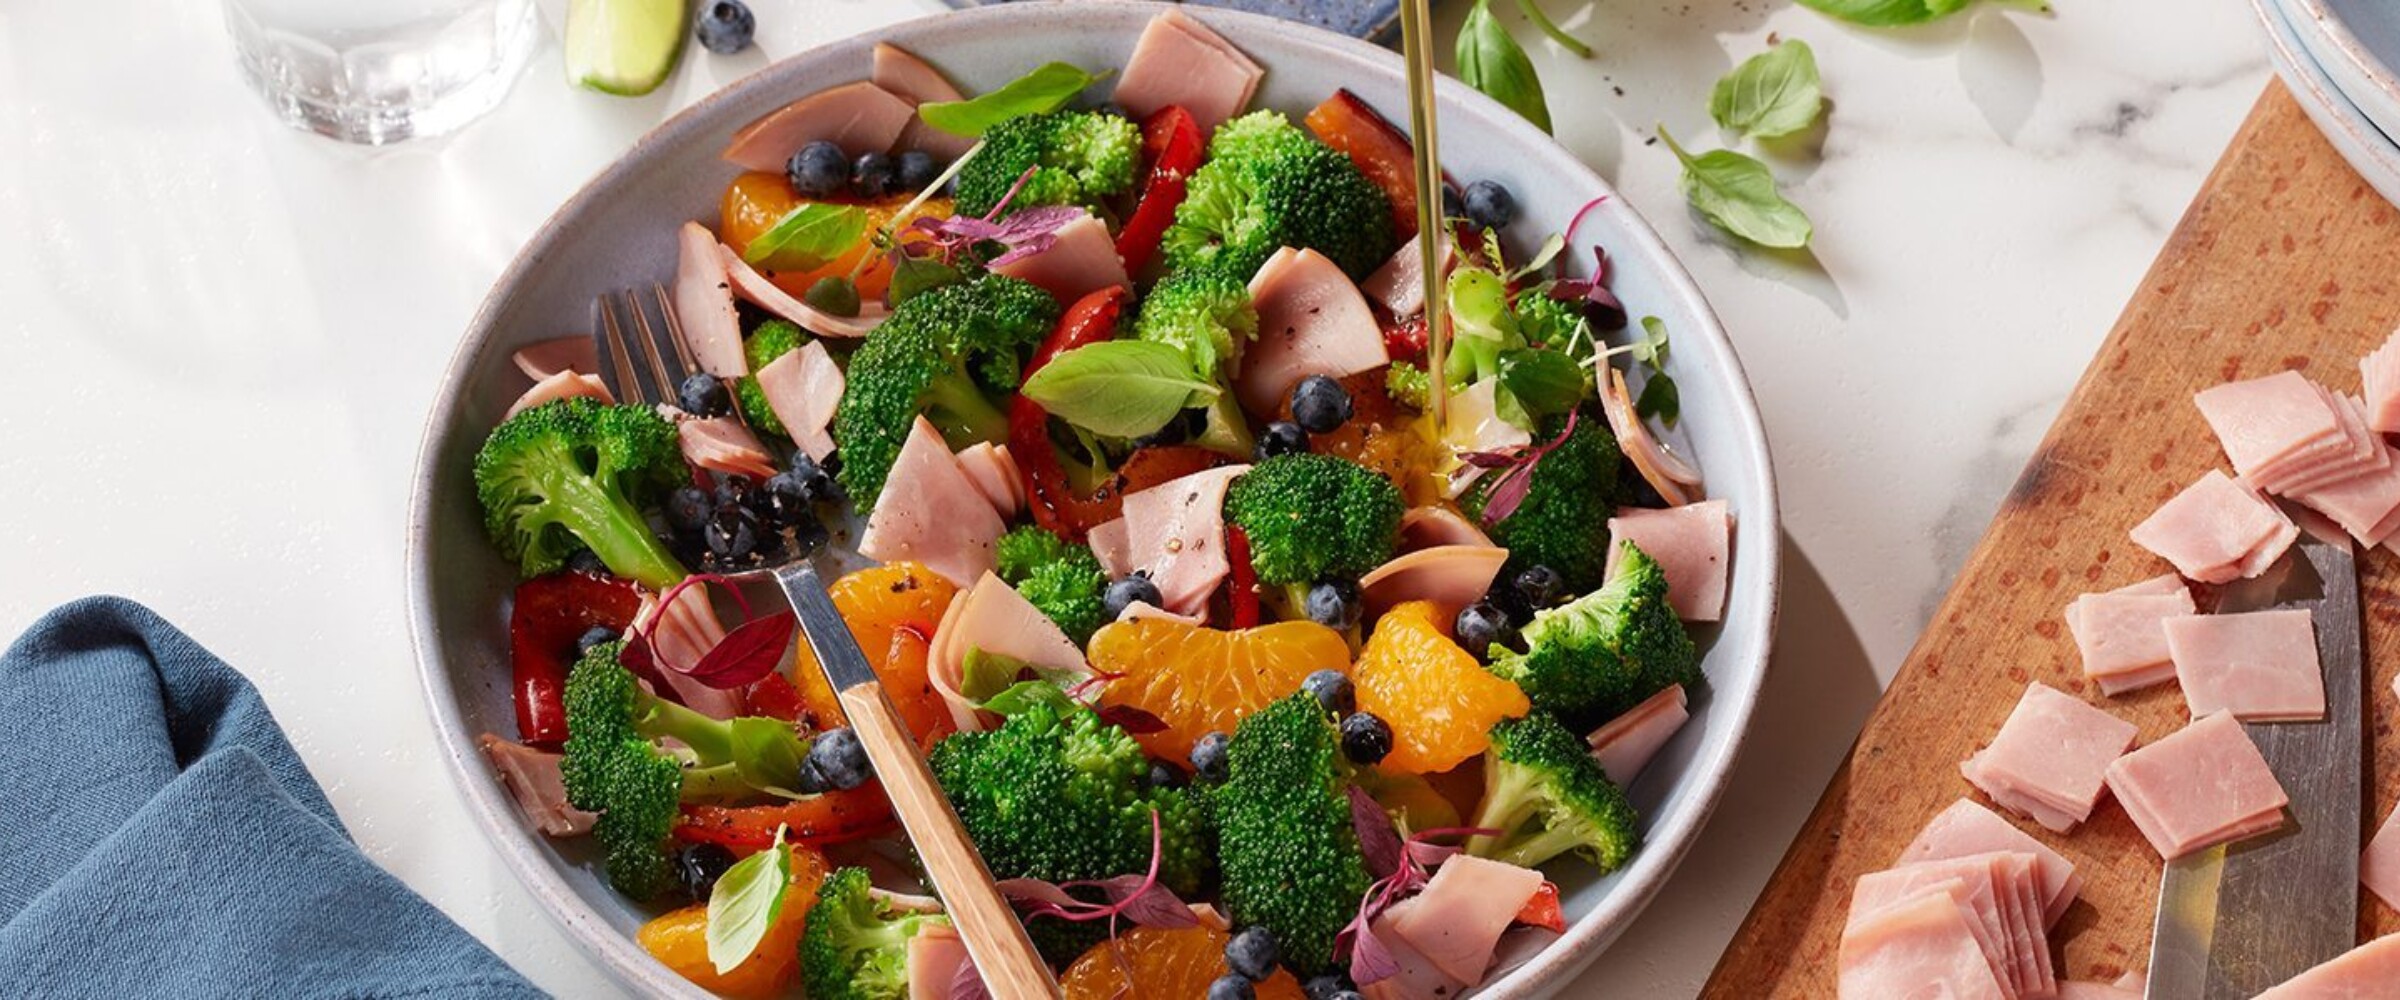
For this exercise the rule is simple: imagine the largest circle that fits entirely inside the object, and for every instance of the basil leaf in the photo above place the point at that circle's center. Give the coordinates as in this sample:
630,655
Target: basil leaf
1738,194
1048,88
1533,13
767,754
1491,61
1544,382
914,275
745,902
1659,399
1774,93
1894,13
1022,695
1120,388
808,237
984,674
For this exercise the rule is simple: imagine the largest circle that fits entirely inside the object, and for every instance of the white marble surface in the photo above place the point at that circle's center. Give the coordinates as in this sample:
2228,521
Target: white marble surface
220,337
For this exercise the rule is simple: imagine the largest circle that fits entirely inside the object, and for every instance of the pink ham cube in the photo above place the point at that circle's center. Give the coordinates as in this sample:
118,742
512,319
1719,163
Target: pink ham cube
1689,543
2379,865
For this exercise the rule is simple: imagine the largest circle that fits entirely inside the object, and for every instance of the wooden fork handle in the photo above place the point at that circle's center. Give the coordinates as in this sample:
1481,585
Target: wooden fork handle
1011,969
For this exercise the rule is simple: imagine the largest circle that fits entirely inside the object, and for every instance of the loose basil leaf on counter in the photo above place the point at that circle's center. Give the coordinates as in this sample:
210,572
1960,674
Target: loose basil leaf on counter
1048,88
1774,93
1491,61
1533,13
1894,13
745,902
767,754
1122,388
1738,194
808,237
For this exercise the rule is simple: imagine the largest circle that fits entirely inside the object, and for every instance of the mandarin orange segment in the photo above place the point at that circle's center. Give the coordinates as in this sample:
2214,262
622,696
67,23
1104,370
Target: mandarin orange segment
892,611
756,200
1440,702
1157,962
1202,680
679,939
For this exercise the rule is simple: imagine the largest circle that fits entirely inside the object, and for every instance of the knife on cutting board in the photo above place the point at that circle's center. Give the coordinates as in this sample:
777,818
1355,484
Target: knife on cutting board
2238,918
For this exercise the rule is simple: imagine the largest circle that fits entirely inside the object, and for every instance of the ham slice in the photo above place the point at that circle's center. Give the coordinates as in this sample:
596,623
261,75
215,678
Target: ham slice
859,117
1082,260
1966,828
704,304
1465,907
2363,503
935,956
564,385
1689,543
899,72
1923,947
2370,971
1451,576
1112,545
2260,666
2379,865
2215,529
993,617
723,444
1311,321
1426,527
771,297
685,633
2095,991
2261,422
1399,285
2204,785
2050,759
947,524
995,474
532,779
2118,633
545,358
2000,896
1419,977
2379,373
804,387
1175,531
1180,61
1625,744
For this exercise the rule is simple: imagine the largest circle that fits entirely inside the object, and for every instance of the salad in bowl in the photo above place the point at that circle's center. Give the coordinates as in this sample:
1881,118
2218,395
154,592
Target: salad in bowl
1110,388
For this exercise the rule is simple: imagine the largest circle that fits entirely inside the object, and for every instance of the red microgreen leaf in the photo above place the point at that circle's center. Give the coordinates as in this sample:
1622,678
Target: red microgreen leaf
1133,721
1514,484
1378,839
967,984
748,653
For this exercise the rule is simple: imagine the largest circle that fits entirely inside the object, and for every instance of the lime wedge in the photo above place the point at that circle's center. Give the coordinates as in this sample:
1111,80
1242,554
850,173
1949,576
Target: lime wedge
623,47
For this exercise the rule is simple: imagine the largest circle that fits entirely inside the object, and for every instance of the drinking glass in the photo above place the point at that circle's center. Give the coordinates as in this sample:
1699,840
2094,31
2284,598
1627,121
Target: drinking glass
381,71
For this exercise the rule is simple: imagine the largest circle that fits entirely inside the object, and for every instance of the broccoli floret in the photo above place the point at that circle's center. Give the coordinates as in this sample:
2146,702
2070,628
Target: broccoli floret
1312,517
576,474
1084,158
854,946
1547,795
944,352
1408,385
767,341
1062,579
1291,858
1547,322
1556,524
1604,652
1271,190
612,766
1208,316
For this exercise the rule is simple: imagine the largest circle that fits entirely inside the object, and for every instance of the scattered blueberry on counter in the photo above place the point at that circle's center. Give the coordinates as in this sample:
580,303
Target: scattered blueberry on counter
725,26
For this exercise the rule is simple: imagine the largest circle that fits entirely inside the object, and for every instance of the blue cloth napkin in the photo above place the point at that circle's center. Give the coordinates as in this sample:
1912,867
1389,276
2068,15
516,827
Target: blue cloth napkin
160,838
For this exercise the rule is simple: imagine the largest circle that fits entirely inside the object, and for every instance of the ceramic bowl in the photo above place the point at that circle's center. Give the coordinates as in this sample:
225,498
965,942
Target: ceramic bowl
619,231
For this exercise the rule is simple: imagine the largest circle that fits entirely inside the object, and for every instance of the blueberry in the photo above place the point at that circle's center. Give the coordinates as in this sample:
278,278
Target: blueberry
1208,756
726,26
1505,596
1333,603
1452,207
1347,995
1282,437
586,562
1490,206
594,636
1232,987
688,509
732,532
784,501
816,479
809,535
818,170
1479,626
703,395
1121,594
1320,405
1366,738
872,175
734,491
1252,954
1177,431
839,759
834,295
699,866
1164,775
1541,586
917,169
1327,986
1333,690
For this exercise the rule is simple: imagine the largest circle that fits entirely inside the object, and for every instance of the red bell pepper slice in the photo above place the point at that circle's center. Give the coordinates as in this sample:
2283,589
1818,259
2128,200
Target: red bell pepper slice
1241,582
1381,151
1542,910
831,818
1172,146
549,613
1091,319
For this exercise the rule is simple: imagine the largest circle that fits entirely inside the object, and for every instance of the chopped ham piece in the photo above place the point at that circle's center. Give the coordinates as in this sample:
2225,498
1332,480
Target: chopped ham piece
1399,285
1967,828
2261,422
1311,321
723,444
1924,947
2379,373
993,617
911,79
2362,503
1625,744
1082,260
1426,527
767,295
1674,479
1451,576
947,525
685,633
704,304
2379,865
935,955
804,387
2370,971
1419,978
1689,543
1179,60
2096,991
2215,528
2050,759
2118,632
995,474
542,359
2001,894
1112,545
2204,785
1176,532
859,117
531,777
1474,422
1141,611
2260,666
1459,917
564,385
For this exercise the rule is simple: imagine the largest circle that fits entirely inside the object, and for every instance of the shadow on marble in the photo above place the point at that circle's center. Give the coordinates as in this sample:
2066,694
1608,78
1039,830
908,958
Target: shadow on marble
2002,73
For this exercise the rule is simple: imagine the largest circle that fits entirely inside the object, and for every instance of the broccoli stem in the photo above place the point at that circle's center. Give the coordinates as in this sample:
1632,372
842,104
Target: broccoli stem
714,784
1226,429
1531,850
960,412
1509,801
709,739
615,530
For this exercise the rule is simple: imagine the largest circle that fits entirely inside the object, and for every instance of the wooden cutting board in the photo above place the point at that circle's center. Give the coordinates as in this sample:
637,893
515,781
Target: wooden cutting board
2285,260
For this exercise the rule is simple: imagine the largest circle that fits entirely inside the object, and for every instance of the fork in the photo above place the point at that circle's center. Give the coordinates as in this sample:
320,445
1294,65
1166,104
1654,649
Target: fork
994,938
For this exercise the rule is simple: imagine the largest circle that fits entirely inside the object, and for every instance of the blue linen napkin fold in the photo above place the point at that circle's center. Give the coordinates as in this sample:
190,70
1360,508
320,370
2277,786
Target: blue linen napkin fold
160,838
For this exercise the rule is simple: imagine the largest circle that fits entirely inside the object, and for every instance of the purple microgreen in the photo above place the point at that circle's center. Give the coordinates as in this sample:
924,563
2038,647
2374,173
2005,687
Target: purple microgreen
967,984
645,637
1510,491
1369,959
1141,899
747,654
1133,721
1576,221
1601,306
1378,840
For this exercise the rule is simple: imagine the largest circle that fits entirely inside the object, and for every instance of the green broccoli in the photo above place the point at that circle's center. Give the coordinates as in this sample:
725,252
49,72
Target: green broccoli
766,342
1290,855
1561,522
1085,157
944,352
854,946
1208,316
576,474
1312,517
1556,324
1061,578
1270,190
1547,796
1604,652
612,766
1408,384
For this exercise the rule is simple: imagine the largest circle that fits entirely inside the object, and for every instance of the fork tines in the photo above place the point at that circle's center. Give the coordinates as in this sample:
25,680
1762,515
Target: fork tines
640,373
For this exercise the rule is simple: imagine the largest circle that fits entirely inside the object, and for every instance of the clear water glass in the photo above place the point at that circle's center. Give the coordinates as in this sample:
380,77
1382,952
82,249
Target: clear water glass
381,71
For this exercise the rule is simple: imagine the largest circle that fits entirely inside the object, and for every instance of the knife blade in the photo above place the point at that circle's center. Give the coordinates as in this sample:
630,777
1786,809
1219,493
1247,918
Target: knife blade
2238,918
